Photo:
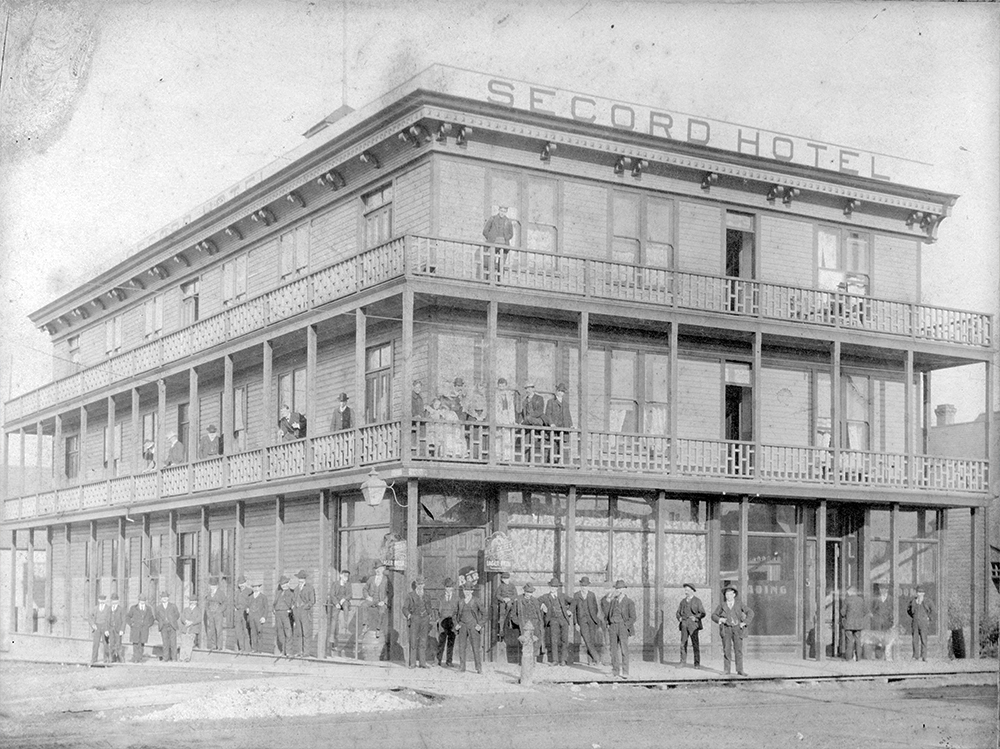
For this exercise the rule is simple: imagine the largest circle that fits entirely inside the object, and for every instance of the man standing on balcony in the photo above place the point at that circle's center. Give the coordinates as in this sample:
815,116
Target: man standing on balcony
175,453
284,598
139,620
342,416
291,424
588,619
168,621
690,612
210,444
921,614
499,229
100,627
305,599
417,400
557,414
533,407
256,617
506,410
215,608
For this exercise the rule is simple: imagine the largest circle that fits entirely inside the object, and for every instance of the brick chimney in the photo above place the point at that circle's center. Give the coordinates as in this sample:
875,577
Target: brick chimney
945,414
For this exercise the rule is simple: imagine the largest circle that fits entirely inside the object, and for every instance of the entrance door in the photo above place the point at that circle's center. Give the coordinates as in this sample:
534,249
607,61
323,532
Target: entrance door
739,418
445,552
740,262
845,526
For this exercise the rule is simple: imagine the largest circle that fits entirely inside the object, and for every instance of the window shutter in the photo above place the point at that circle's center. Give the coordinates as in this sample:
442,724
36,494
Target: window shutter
158,311
302,247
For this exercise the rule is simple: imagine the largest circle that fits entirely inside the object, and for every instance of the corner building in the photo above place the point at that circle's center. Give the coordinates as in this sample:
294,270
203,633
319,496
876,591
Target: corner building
746,356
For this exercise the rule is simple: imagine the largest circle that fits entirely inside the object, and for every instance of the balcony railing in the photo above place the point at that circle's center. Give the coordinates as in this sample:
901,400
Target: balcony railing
522,448
523,269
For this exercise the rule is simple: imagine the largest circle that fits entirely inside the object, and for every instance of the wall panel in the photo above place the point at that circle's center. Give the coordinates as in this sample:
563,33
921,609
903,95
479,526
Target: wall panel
585,220
787,253
699,399
461,191
700,236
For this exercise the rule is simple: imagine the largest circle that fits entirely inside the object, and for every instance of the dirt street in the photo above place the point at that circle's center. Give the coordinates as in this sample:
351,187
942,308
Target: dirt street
151,707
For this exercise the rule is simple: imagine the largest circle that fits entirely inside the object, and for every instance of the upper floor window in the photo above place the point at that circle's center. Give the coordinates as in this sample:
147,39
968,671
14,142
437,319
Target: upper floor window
189,302
240,418
842,259
294,248
113,448
153,309
641,228
113,335
149,441
234,280
532,207
292,390
627,391
73,343
72,457
378,216
378,383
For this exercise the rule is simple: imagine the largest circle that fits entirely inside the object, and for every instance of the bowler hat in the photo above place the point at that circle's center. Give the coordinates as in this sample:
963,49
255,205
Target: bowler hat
561,388
920,589
256,584
114,596
283,580
730,587
529,588
449,583
554,583
164,594
213,581
302,575
689,585
505,576
345,572
420,580
380,564
342,397
241,580
620,584
142,596
211,428
584,580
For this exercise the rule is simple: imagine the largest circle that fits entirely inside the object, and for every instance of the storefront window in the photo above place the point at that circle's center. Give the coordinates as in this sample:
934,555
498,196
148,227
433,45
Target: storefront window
771,589
359,513
635,558
730,516
770,518
536,529
591,553
592,511
917,563
359,550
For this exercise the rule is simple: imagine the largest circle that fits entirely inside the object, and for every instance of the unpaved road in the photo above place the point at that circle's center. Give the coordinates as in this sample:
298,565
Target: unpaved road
64,706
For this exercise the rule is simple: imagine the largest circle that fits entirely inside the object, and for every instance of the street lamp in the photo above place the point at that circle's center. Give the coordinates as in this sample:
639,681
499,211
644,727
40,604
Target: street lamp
373,489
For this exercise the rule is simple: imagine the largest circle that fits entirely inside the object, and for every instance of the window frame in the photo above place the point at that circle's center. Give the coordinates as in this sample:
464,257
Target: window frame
374,205
378,384
190,304
235,280
644,242
113,335
849,277
71,456
293,249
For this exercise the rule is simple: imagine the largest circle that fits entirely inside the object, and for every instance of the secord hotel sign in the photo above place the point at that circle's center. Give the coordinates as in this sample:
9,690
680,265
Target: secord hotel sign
677,126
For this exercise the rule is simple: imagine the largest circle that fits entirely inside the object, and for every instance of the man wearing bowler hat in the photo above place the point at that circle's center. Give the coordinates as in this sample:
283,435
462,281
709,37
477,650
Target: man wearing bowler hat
733,617
448,619
100,627
342,416
256,617
417,612
215,614
557,415
471,620
139,620
284,598
690,612
210,443
168,620
921,615
558,613
621,623
241,606
588,618
302,617
117,616
527,609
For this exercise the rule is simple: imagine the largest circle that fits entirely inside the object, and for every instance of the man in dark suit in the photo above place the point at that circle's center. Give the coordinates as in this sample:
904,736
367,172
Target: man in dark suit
527,609
256,617
503,604
733,618
340,602
448,613
291,424
191,622
342,416
139,620
883,619
558,612
621,625
168,622
176,454
853,618
284,599
417,612
532,407
117,629
921,614
588,618
690,612
557,414
100,628
376,592
471,620
302,621
210,444
241,604
215,614
498,228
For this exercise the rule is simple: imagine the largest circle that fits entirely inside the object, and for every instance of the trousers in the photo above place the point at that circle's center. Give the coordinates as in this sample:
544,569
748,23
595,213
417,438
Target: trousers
732,644
692,635
618,633
465,636
559,641
418,628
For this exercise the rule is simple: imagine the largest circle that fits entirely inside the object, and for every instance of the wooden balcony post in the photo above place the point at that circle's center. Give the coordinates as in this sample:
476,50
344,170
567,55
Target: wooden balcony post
988,419
893,560
757,459
227,416
322,582
672,398
135,462
570,540
412,528
194,426
122,578
312,413
173,551
908,421
92,564
821,581
146,543
406,423
238,538
109,441
161,422
58,453
492,312
22,484
974,564
835,408
267,396
67,617
660,513
360,343
5,472
29,587
81,471
39,472
925,429
204,552
12,576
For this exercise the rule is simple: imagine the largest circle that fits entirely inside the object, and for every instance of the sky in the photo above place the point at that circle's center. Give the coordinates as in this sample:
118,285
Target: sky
118,117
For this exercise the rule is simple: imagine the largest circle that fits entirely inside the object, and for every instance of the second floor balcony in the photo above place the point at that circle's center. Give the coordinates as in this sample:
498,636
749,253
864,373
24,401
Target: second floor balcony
517,453
415,256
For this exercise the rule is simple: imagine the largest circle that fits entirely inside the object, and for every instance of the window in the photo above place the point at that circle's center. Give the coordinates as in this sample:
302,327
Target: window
153,309
149,446
505,190
378,383
918,560
221,554
189,302
627,391
685,543
842,258
537,529
184,428
641,230
378,216
823,411
187,567
73,344
113,449
113,335
292,390
459,355
857,408
625,243
72,457
239,419
234,280
541,213
294,248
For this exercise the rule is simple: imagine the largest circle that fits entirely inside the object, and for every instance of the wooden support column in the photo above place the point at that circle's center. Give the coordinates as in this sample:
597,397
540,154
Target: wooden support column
172,552
204,552
926,427
570,542
894,560
821,581
192,438
228,446
584,390
835,413
5,473
406,430
39,472
58,452
146,551
123,591
312,413
29,585
974,565
658,581
135,454
744,552
279,534
758,414
911,460
941,579
238,537
109,442
92,564
81,461
12,576
322,580
67,617
161,433
412,531
22,483
673,396
492,312
360,343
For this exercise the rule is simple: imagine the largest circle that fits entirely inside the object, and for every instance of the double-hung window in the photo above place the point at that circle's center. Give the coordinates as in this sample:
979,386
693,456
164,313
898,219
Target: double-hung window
113,335
843,260
234,280
189,302
377,216
153,309
294,249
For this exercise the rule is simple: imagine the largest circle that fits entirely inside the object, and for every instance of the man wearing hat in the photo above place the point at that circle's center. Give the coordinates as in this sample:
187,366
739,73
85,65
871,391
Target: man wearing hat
587,615
176,455
340,602
448,618
854,619
921,615
532,407
557,414
883,618
342,415
302,615
191,622
503,604
471,620
690,612
558,613
417,612
215,614
241,606
376,594
168,621
284,598
256,617
100,628
527,609
291,424
733,617
139,620
210,443
117,630
621,622
498,228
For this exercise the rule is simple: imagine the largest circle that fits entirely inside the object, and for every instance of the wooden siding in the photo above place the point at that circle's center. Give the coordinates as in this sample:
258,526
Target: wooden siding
133,327
895,273
258,558
889,426
263,268
700,238
60,562
462,205
333,234
785,406
300,544
258,433
699,399
210,291
92,342
787,254
80,603
412,201
585,220
171,309
335,375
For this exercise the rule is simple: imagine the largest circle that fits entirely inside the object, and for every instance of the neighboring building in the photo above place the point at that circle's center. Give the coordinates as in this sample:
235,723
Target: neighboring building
742,341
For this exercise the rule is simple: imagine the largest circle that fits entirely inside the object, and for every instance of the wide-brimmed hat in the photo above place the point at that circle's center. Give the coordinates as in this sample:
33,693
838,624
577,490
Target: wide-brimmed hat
920,589
211,428
620,584
529,588
283,580
689,585
241,580
302,574
505,576
449,583
561,387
